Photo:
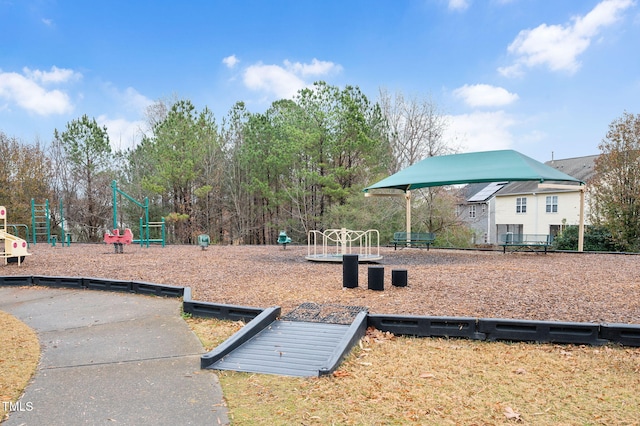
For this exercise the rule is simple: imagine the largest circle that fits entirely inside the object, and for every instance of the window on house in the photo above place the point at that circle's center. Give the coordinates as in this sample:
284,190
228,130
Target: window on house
472,211
552,204
521,205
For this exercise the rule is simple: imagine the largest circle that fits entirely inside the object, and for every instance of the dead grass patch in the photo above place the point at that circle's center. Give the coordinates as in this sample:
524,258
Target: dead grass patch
431,381
212,332
18,359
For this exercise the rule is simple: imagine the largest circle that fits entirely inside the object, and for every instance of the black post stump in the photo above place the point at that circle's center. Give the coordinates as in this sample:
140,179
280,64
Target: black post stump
376,278
399,277
350,271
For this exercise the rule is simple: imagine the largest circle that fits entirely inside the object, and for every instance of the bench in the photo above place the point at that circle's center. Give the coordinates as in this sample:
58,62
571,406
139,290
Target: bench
413,239
530,242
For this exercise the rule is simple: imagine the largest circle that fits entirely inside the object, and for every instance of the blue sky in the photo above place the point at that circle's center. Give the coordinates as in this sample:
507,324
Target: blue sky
537,76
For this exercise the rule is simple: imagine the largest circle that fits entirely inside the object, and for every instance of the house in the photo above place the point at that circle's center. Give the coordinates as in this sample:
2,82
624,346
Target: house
524,207
479,209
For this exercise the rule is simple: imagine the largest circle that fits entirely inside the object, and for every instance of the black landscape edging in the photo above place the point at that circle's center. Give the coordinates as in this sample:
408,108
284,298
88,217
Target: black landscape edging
19,280
217,310
58,282
107,285
490,329
202,309
141,287
541,331
624,334
426,326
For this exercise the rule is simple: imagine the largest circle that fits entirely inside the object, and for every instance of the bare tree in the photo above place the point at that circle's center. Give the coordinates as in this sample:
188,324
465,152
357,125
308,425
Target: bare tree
415,128
25,173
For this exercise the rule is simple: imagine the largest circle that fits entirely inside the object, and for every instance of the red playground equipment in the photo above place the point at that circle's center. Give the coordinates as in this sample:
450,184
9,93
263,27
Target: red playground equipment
12,248
118,240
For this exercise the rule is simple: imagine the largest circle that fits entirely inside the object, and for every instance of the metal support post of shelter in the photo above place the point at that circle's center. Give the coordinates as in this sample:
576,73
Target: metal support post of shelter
407,197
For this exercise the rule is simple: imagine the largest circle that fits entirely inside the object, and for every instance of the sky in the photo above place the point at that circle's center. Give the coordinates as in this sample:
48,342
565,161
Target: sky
543,77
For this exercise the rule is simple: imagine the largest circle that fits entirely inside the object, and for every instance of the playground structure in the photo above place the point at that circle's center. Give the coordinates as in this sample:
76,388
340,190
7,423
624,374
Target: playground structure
14,249
332,244
40,221
41,224
17,229
119,240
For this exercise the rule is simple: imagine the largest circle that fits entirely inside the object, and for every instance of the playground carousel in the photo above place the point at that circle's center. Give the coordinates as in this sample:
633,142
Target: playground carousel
332,244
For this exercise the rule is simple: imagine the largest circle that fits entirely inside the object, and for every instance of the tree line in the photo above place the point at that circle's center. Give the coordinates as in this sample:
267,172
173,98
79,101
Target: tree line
300,165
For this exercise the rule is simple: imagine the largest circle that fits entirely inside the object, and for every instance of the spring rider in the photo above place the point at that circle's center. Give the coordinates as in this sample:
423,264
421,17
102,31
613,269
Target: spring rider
283,239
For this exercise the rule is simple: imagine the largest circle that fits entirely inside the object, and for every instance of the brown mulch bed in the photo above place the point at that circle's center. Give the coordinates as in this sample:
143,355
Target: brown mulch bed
484,284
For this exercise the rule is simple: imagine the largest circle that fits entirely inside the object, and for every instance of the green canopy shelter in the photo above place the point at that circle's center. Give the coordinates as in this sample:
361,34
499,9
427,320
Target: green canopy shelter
476,167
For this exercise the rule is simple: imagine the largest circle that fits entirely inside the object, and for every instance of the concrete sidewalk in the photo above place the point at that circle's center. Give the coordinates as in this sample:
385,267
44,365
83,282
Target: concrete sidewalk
112,358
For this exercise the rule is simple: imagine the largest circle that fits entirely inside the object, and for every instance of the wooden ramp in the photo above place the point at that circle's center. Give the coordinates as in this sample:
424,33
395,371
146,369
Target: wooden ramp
289,348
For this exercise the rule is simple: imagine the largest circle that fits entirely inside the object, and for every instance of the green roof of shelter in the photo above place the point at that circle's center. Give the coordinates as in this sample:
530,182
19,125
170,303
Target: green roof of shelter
474,167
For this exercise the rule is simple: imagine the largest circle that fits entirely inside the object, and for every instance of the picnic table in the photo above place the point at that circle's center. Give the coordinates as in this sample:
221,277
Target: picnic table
531,242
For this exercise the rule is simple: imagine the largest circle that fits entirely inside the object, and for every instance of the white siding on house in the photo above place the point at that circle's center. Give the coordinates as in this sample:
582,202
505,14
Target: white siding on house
501,216
536,220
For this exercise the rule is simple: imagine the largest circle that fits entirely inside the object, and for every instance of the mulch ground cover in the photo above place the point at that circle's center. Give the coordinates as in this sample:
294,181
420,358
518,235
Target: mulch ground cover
485,284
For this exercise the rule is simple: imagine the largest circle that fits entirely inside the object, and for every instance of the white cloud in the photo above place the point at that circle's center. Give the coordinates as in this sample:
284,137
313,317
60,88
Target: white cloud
56,75
481,131
122,133
135,100
26,92
285,81
484,95
273,79
459,4
512,71
128,99
230,61
315,68
559,46
125,132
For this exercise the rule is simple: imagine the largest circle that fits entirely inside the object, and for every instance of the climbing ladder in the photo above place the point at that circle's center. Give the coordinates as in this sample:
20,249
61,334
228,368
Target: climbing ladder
40,221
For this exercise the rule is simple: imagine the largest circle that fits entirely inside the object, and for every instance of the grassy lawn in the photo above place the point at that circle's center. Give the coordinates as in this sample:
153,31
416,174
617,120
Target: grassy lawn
19,356
391,380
